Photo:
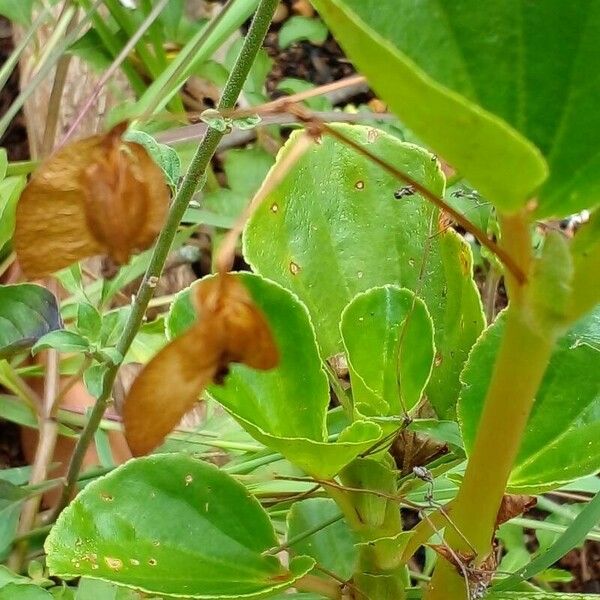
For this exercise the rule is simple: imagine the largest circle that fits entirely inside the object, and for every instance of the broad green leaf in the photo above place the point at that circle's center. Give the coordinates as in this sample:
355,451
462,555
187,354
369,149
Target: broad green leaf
332,547
388,336
334,229
504,166
302,28
200,533
285,408
562,439
15,591
27,312
10,190
533,64
63,341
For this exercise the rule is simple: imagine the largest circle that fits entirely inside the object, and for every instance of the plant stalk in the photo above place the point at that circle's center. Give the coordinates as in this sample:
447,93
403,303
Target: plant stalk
192,179
520,365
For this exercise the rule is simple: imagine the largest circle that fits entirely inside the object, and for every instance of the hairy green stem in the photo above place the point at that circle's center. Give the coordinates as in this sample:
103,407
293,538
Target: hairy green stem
200,161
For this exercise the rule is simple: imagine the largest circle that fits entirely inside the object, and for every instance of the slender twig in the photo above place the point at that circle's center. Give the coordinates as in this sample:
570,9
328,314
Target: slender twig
192,179
58,85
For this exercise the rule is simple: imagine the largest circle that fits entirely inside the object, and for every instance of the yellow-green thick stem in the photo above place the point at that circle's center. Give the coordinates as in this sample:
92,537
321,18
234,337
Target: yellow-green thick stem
520,365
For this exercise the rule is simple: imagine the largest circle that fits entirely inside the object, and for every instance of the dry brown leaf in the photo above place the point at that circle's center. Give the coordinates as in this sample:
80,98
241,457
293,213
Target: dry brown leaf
514,505
230,328
99,195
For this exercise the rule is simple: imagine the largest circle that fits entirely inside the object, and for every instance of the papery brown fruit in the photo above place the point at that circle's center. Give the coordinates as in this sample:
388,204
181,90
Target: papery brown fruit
230,328
99,195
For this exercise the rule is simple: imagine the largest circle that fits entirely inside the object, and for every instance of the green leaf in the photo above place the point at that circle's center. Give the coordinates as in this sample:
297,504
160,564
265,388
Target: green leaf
285,408
302,28
245,170
341,231
95,589
502,164
164,156
90,48
539,596
585,251
292,85
19,12
27,312
200,533
10,190
63,341
14,591
388,336
531,63
333,546
89,321
562,439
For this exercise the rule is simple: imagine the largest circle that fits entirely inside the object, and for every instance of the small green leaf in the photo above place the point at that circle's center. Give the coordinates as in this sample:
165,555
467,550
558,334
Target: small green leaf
333,546
27,312
562,439
200,535
388,336
10,190
247,122
302,28
14,591
63,341
89,321
292,85
164,156
93,378
214,119
500,162
284,408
